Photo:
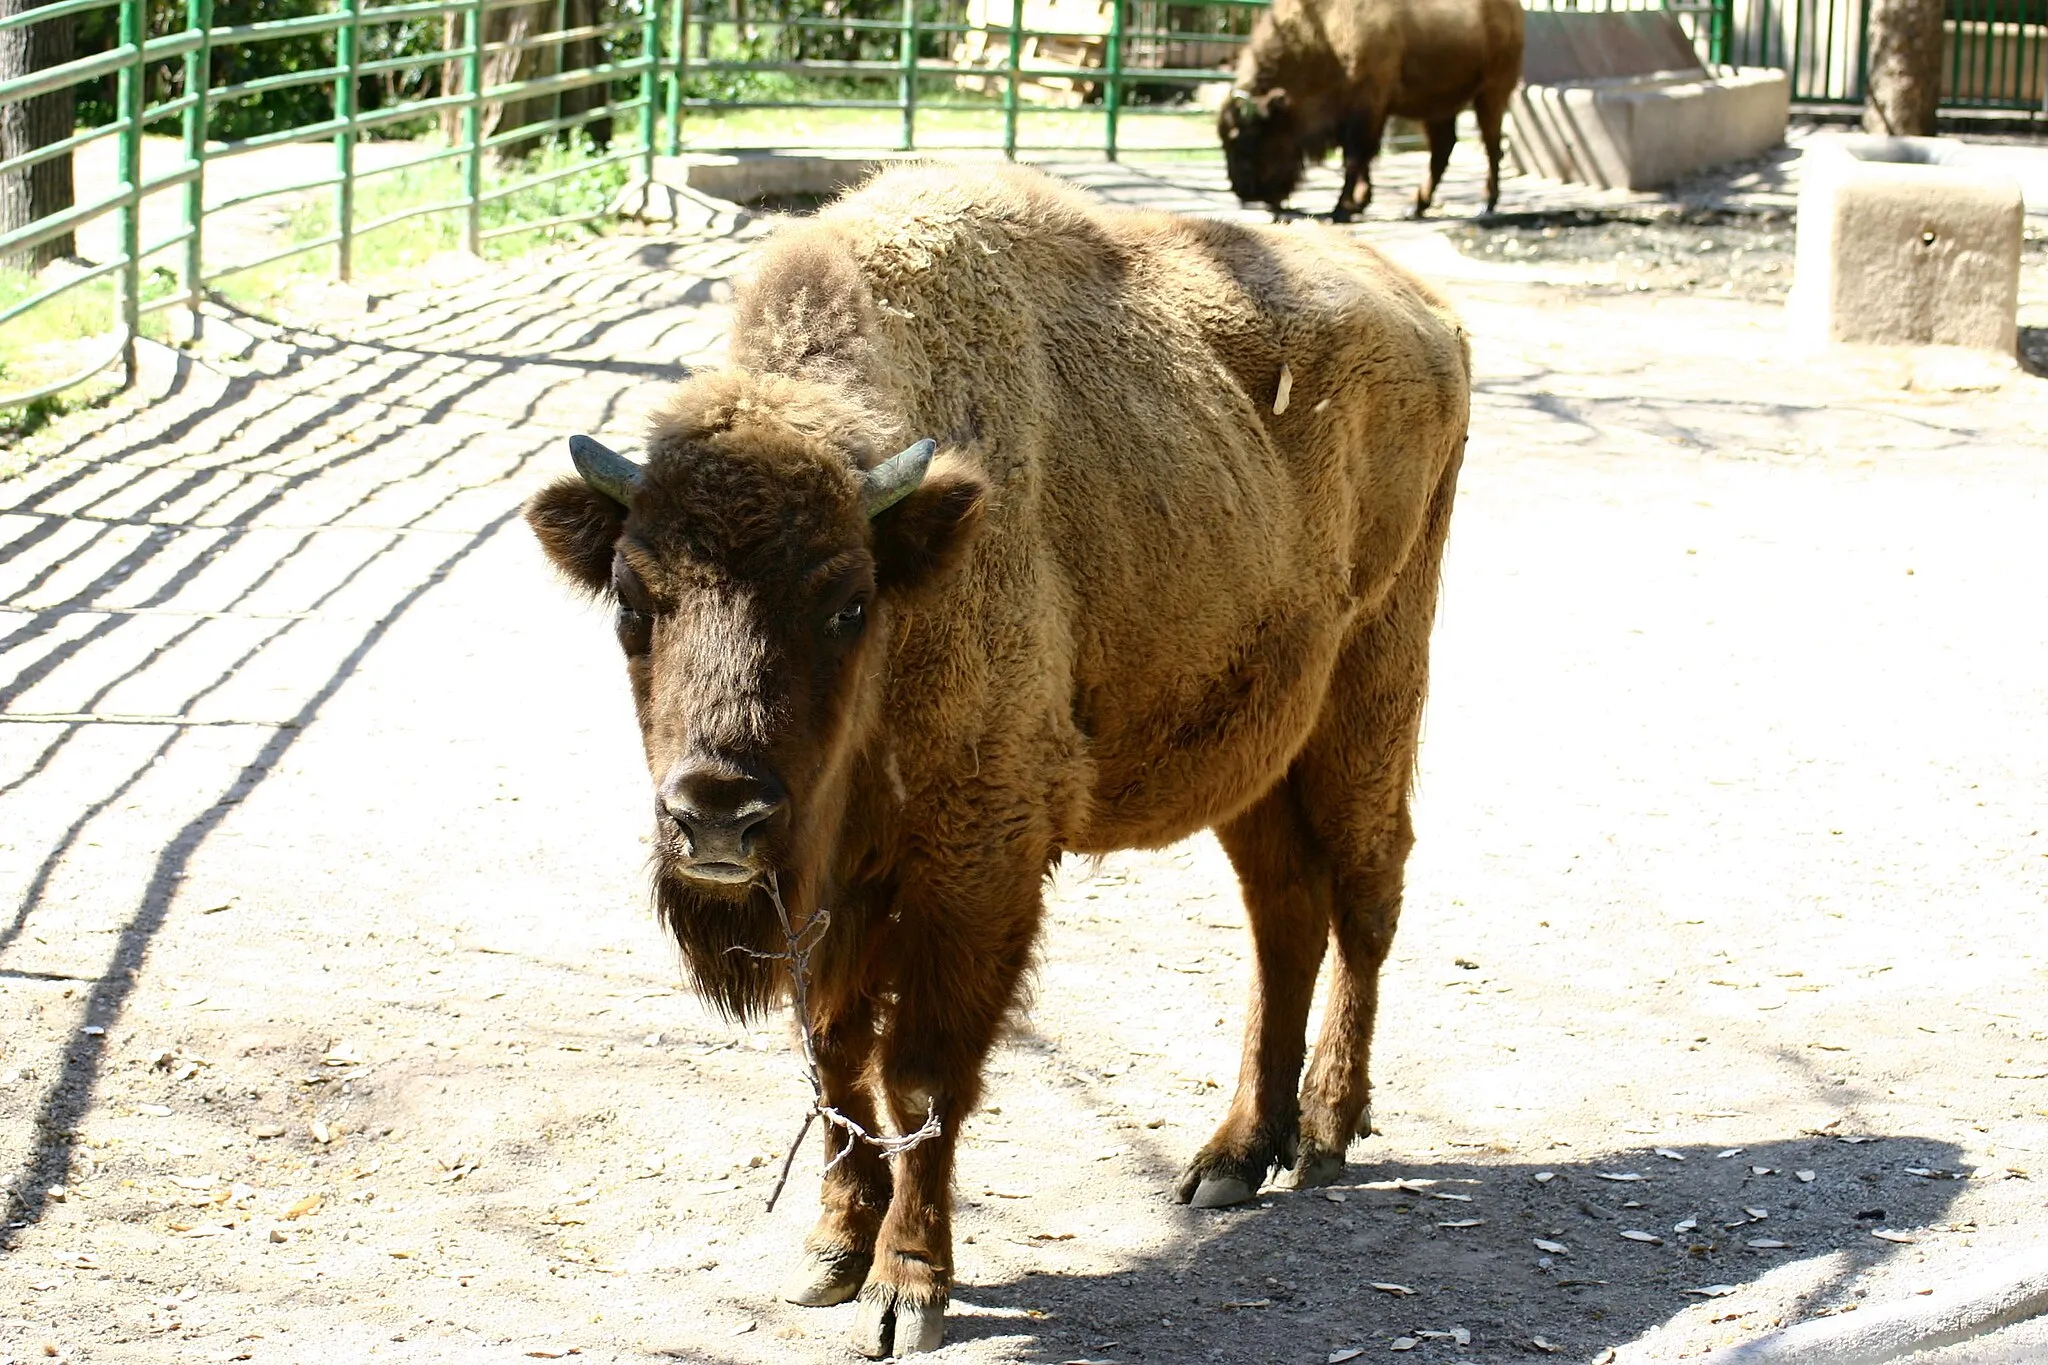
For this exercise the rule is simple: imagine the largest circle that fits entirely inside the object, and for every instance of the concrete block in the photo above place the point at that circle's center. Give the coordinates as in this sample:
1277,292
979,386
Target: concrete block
1640,132
1897,249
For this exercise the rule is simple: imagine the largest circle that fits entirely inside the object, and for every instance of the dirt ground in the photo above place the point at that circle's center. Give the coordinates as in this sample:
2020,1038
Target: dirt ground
337,1028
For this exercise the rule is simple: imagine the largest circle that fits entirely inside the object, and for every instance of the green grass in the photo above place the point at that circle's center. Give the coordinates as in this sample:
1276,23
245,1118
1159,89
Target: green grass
405,246
59,338
1175,130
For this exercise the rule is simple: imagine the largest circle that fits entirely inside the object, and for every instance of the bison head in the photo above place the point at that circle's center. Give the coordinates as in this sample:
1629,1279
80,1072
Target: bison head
753,563
1262,146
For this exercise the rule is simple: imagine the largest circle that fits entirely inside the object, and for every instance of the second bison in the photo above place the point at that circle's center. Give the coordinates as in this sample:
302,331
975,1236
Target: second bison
1158,553
1319,74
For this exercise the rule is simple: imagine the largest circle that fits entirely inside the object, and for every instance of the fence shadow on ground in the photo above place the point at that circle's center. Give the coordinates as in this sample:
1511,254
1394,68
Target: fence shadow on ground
300,503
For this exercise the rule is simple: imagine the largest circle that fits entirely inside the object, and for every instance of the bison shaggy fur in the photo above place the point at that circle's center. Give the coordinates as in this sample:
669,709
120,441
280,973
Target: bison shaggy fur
1174,568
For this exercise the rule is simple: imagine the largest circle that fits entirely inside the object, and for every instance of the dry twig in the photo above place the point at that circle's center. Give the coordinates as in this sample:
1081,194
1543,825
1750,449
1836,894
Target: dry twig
798,956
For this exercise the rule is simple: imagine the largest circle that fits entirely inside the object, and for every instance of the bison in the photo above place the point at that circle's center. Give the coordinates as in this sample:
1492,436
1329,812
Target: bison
1319,74
1019,526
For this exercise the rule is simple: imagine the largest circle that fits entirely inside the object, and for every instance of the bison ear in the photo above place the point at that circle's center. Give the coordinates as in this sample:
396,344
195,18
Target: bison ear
1273,102
577,527
924,537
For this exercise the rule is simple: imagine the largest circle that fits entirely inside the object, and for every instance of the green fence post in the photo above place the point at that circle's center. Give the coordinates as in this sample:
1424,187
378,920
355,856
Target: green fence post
681,34
346,43
473,126
198,78
906,84
1010,84
1113,87
129,94
650,76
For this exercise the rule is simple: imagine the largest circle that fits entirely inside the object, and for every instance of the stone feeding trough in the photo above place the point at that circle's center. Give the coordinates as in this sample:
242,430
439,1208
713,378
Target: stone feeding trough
1909,241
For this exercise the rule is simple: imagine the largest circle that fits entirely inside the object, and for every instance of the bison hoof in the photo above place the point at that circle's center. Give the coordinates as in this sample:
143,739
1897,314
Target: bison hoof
1221,1192
824,1278
891,1324
1312,1170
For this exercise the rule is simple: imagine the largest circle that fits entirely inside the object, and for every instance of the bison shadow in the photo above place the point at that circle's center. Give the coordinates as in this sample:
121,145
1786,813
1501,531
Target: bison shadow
1395,1251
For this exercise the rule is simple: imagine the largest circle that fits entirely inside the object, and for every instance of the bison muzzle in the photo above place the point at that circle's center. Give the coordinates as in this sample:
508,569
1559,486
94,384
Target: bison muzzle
1015,527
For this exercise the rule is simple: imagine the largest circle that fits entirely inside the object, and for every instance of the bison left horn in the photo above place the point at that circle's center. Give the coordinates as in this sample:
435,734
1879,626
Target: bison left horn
604,469
895,478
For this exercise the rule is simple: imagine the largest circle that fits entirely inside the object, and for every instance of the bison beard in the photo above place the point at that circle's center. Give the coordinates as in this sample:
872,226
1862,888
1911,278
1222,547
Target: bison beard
1123,595
731,945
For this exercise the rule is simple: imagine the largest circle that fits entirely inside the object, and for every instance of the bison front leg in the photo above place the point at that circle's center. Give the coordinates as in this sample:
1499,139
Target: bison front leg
1360,138
855,1195
1286,884
957,965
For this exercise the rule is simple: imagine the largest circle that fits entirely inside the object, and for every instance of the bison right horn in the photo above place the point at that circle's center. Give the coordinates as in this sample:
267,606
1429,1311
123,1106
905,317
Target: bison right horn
604,469
895,478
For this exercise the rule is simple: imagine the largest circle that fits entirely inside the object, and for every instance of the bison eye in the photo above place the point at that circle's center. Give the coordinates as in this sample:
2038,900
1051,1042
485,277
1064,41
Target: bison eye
636,631
848,620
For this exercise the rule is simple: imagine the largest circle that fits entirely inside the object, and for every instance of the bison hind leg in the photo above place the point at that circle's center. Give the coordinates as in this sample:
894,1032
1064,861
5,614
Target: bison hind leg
1287,900
1443,136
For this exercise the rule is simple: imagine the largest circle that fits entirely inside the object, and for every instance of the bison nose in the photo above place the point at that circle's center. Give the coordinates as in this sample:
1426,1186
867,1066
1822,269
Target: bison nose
721,807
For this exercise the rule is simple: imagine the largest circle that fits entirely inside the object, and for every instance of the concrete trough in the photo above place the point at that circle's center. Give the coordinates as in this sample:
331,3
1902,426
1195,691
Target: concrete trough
1906,242
1619,100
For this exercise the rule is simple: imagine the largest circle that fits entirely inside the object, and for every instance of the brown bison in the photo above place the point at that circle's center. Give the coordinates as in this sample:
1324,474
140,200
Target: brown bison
1172,567
1319,74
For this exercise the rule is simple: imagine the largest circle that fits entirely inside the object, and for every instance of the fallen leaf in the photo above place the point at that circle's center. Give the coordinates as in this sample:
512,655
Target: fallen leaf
1650,1238
1545,1177
1886,1234
1670,1155
1403,1344
1462,1223
1762,1170
1687,1226
1338,1357
302,1207
1766,1244
1554,1248
1755,1212
1399,1290
401,1255
1713,1291
1333,1196
1249,1303
1445,1194
1540,1344
1804,1177
1923,1172
267,1130
1732,1151
1461,1336
187,1002
1008,1194
1854,1141
1617,1175
155,1111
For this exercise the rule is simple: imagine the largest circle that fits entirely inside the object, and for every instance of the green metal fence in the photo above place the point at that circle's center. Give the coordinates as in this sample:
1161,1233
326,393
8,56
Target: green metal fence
628,76
1007,76
1994,52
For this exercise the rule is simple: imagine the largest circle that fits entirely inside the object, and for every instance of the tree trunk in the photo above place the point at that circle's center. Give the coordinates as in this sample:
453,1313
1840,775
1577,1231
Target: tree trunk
45,188
517,23
1905,68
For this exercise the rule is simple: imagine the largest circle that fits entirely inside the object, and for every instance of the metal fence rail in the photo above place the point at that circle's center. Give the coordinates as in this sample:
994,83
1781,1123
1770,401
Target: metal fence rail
630,81
1004,75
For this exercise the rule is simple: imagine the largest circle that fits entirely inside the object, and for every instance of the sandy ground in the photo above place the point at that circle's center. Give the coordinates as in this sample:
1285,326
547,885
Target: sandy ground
337,1028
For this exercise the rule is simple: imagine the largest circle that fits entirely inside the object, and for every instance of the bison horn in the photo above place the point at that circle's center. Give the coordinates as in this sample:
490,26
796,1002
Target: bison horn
895,478
604,469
